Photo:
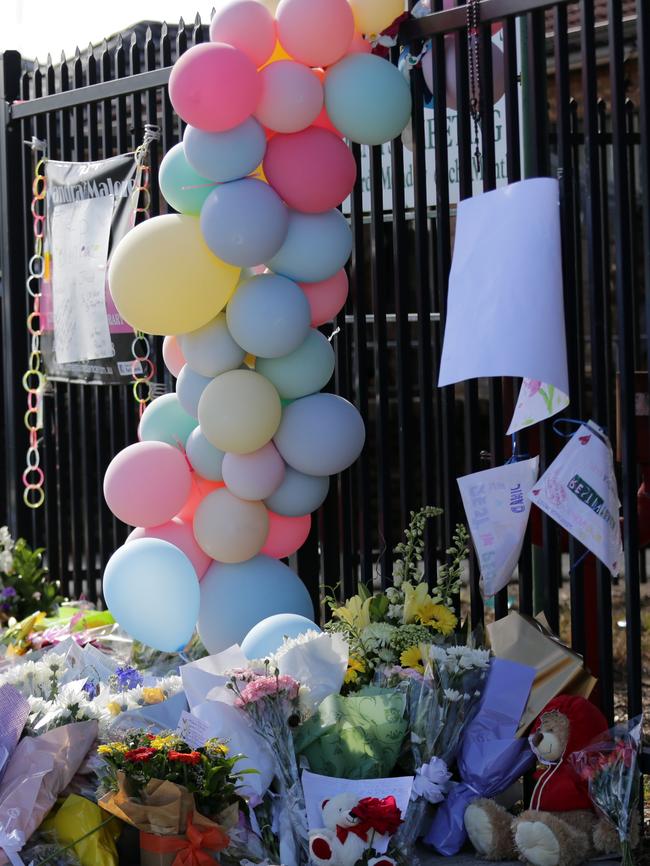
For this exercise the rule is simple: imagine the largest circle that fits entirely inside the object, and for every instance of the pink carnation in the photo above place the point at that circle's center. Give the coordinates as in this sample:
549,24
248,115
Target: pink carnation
263,687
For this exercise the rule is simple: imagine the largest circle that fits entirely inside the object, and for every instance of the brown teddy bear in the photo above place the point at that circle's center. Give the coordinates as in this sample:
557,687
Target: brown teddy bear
561,827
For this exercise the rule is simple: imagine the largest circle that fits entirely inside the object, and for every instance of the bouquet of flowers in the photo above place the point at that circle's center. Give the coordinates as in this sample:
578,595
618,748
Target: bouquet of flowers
610,765
387,628
24,585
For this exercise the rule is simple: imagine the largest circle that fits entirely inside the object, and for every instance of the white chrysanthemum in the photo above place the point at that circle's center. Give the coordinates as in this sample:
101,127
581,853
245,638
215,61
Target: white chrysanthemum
290,642
452,695
5,536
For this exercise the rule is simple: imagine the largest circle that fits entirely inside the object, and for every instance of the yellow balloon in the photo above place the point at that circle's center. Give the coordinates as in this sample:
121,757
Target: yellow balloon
278,52
239,411
230,529
165,280
373,16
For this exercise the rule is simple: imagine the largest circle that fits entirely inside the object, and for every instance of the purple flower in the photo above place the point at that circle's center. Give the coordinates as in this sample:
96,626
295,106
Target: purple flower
91,689
9,592
126,678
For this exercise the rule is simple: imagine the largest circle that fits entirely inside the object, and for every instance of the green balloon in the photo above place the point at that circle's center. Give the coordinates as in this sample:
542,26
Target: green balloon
165,420
304,371
183,188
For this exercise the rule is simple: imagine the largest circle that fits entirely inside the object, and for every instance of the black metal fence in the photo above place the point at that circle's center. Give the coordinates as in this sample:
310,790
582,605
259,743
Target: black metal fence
559,117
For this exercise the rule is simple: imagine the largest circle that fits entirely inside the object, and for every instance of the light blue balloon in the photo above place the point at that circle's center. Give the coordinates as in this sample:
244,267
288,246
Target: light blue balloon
321,434
316,247
211,349
367,98
269,316
244,222
181,186
236,597
224,156
204,457
151,588
267,636
299,494
189,387
165,420
305,371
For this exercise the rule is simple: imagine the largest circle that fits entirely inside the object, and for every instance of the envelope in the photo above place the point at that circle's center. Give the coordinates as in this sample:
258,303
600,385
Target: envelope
559,670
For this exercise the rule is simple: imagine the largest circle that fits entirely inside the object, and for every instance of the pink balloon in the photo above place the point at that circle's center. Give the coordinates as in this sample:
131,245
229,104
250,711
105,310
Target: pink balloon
181,535
315,32
147,483
256,475
200,488
173,355
247,25
312,171
359,45
323,120
286,535
291,98
214,86
327,298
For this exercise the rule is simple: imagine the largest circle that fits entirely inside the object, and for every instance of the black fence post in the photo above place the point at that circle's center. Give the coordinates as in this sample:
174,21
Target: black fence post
12,292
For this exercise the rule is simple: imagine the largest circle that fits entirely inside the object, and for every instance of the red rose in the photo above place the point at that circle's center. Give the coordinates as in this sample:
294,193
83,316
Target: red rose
183,758
139,755
383,816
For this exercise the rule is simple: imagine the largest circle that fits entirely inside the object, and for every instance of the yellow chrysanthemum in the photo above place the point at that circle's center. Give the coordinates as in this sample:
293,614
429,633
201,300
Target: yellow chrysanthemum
153,695
163,742
356,612
438,617
104,750
412,658
356,666
112,748
414,598
114,708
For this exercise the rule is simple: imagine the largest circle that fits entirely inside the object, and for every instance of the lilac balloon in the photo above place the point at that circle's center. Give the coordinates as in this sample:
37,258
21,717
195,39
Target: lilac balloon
256,475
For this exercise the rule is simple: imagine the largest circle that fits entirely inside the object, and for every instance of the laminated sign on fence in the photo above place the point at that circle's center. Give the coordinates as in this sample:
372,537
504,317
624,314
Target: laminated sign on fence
90,207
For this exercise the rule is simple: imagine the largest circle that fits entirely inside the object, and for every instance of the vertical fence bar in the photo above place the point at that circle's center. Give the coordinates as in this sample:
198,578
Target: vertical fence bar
625,305
643,42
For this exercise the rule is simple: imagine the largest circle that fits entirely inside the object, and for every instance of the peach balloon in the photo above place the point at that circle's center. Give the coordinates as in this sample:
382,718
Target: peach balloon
246,25
359,45
230,529
315,32
201,487
181,534
286,535
326,298
173,355
292,97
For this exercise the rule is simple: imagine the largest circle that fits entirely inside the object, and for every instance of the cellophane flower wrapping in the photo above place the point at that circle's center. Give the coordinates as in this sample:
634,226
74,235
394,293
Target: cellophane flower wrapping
610,765
440,704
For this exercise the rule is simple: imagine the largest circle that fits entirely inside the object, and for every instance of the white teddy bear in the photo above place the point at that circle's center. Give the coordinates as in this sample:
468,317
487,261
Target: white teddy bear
342,841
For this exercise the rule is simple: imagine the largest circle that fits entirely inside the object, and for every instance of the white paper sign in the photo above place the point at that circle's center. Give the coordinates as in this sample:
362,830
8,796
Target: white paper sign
193,730
497,508
579,491
505,314
79,237
536,402
317,789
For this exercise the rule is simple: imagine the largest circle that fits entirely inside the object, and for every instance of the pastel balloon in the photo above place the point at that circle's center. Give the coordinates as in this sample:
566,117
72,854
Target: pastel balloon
320,435
306,370
173,355
269,316
315,32
204,457
266,638
312,171
230,529
164,279
244,222
367,98
147,483
374,16
151,588
327,297
254,476
234,598
211,350
179,533
239,411
189,388
225,156
214,86
201,488
298,494
292,97
165,420
315,248
286,535
248,25
359,45
182,187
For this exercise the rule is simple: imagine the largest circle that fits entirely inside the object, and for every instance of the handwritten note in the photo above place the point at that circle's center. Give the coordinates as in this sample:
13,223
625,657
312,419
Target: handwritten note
79,237
193,730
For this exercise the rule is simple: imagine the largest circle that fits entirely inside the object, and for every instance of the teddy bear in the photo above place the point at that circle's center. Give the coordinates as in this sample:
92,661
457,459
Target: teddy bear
561,827
350,827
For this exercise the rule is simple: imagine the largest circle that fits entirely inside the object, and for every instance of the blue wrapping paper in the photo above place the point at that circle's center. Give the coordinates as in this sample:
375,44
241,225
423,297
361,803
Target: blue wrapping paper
490,758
